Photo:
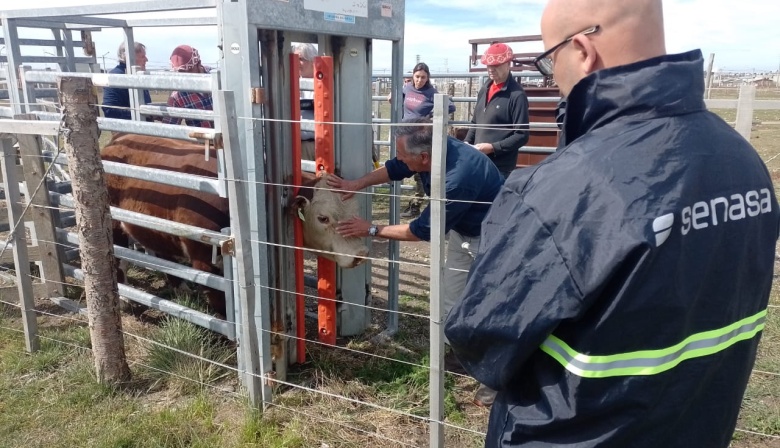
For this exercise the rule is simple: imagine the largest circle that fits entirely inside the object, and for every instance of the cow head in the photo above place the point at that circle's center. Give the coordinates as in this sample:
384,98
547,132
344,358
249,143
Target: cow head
321,209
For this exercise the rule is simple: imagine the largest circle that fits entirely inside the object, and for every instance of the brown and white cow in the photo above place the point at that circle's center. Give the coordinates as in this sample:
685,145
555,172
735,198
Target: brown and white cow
205,210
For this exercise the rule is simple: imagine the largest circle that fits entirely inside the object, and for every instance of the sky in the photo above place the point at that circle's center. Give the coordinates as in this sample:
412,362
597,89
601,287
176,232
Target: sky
743,35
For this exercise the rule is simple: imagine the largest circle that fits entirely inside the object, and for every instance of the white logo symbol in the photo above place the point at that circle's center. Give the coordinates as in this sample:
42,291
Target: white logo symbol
662,226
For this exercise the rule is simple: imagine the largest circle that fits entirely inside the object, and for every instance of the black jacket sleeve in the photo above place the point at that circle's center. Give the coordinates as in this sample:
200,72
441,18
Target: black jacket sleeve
519,290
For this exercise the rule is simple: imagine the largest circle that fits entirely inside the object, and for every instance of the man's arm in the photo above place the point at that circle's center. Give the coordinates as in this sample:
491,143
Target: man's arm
376,177
356,227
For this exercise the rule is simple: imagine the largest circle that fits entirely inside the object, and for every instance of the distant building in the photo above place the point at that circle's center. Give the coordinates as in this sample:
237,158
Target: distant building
763,81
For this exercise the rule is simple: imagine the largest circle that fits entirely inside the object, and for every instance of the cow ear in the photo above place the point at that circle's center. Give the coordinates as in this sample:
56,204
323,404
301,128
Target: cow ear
297,206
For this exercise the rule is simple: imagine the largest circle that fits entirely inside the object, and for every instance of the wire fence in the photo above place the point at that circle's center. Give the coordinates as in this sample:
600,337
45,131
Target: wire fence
347,351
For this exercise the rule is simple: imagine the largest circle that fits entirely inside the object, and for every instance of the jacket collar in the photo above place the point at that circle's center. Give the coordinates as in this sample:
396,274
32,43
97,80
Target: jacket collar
658,87
509,79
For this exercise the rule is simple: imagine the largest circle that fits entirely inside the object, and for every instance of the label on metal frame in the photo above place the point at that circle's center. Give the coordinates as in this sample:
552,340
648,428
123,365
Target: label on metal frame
341,18
387,10
345,7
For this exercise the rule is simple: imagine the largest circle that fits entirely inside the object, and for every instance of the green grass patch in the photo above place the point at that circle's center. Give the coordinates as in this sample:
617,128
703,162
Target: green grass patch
171,363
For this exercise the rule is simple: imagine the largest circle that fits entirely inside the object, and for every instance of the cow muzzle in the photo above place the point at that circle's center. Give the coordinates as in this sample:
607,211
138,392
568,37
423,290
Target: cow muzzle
360,257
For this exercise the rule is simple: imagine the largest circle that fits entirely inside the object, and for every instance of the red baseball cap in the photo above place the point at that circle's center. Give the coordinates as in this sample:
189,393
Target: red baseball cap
184,58
497,54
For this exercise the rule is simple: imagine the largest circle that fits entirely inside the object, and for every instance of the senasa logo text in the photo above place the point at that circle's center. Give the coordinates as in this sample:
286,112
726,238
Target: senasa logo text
721,209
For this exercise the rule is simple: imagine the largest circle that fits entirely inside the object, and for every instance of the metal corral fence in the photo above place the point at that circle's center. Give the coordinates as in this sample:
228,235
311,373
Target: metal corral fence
237,298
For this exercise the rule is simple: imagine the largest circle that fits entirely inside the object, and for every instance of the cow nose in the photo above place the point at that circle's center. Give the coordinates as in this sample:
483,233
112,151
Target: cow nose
360,257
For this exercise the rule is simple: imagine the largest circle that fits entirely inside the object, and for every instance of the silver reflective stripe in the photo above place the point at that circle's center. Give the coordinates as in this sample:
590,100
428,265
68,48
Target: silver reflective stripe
651,362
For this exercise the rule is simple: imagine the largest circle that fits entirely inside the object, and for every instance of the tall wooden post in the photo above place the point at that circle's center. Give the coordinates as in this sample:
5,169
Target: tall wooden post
93,220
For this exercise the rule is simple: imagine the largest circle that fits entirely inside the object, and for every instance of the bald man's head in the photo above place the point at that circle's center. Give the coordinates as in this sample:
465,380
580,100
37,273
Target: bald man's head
629,31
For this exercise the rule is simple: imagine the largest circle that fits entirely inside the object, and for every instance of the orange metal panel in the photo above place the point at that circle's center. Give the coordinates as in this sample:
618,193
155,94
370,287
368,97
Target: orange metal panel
325,160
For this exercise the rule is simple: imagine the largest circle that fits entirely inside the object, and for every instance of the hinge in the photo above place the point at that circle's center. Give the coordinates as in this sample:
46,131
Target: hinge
228,247
257,95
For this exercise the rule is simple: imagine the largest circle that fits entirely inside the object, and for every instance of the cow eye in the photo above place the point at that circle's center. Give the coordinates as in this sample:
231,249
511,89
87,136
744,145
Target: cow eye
323,219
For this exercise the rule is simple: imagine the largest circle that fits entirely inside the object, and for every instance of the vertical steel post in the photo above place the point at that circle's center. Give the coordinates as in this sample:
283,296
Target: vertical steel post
300,303
352,97
240,67
257,357
393,268
19,241
70,62
744,123
708,76
438,178
14,58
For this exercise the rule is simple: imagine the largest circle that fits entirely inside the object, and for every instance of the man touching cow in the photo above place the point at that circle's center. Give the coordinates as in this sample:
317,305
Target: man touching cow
472,182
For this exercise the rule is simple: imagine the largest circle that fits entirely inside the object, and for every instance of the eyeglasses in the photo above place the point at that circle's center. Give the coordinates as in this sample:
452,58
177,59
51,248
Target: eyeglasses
544,62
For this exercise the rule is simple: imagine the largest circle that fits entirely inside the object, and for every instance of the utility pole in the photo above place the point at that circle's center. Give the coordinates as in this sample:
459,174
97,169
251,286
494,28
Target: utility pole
104,61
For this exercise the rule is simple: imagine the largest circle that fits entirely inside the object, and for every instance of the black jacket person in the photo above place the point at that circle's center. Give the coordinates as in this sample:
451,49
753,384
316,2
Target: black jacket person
621,285
500,122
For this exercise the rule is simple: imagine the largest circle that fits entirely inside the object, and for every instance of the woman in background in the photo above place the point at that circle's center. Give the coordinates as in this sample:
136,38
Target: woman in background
418,102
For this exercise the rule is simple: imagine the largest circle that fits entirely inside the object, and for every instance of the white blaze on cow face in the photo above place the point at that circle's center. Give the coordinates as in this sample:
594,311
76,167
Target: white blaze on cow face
320,216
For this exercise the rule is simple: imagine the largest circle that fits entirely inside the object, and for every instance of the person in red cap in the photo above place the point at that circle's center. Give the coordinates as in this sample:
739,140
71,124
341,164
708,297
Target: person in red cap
186,59
500,121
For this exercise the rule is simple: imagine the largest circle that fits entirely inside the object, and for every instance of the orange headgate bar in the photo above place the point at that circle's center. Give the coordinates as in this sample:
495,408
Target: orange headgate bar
325,160
300,304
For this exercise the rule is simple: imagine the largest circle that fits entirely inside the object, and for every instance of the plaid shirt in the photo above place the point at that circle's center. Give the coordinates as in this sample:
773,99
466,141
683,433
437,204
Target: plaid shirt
190,100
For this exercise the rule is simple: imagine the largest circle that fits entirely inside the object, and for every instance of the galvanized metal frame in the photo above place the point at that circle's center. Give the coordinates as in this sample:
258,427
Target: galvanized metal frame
250,25
251,32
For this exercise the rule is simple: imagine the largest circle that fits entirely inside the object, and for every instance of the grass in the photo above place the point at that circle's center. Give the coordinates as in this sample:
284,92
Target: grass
170,363
732,93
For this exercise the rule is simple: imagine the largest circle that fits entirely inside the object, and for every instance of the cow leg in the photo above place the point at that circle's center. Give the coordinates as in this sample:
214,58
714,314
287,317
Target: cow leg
200,254
121,239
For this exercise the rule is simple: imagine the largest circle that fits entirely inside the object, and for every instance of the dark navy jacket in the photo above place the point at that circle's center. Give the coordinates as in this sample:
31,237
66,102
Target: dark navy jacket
621,285
118,97
470,176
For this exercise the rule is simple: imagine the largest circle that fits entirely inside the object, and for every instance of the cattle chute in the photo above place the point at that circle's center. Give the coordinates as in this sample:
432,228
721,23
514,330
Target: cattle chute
254,37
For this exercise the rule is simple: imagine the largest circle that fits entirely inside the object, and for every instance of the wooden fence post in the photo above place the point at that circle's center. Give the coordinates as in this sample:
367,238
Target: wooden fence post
93,220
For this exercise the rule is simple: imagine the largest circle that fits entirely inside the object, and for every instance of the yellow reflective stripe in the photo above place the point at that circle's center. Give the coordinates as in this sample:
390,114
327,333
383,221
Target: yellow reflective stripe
651,362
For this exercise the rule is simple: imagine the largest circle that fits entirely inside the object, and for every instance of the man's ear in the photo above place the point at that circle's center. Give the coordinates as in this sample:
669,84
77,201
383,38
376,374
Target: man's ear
586,52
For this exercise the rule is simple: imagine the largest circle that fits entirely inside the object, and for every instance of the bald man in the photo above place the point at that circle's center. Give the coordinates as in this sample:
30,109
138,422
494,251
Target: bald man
621,286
